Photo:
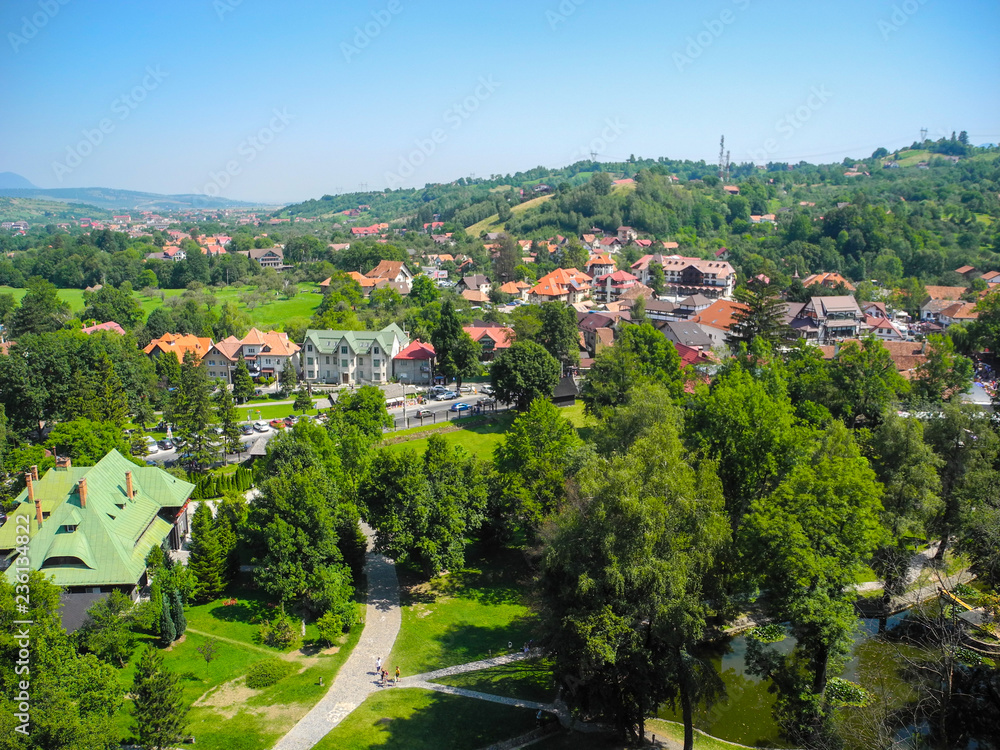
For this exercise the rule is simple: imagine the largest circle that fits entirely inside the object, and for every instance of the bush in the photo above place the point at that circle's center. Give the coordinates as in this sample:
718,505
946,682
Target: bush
772,633
279,632
843,693
331,626
268,672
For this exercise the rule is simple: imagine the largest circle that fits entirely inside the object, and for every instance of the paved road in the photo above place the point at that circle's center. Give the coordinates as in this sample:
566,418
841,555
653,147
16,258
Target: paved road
356,679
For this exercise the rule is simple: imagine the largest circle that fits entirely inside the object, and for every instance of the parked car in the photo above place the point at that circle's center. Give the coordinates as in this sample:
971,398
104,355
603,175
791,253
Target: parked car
438,389
151,446
278,424
443,396
460,406
486,390
165,445
290,421
260,426
466,389
246,429
148,463
425,413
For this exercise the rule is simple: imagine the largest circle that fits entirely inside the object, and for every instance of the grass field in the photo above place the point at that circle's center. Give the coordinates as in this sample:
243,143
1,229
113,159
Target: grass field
411,719
479,440
464,615
271,315
225,714
492,223
530,680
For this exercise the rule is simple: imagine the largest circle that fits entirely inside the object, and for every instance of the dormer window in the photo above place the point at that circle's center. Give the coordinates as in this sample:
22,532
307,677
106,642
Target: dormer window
69,528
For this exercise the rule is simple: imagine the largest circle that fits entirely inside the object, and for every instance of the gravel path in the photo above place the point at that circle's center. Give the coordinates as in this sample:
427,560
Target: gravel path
356,679
472,666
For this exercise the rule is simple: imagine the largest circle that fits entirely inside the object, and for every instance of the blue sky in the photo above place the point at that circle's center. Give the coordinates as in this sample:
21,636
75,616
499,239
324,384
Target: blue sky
280,102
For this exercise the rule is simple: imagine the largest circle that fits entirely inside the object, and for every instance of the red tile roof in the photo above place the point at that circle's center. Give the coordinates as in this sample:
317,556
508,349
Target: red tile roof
417,350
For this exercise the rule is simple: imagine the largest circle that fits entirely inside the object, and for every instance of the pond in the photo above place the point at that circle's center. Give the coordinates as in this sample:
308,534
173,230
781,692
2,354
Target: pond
745,715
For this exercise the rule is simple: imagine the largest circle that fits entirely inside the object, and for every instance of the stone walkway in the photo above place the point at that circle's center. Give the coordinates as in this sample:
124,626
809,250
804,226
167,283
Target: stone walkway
472,666
356,679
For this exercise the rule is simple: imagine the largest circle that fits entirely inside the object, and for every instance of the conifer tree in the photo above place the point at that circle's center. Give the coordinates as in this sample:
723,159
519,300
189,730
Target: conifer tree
177,612
168,633
288,377
208,559
157,707
242,382
303,401
228,419
193,413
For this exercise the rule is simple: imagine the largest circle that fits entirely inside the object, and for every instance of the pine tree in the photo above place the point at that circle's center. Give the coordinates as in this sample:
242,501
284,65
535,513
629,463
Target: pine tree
177,613
288,377
242,382
157,705
303,401
762,316
168,633
208,558
112,400
194,415
229,420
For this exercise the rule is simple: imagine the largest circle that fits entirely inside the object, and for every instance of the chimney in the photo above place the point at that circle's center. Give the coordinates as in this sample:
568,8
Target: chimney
82,489
32,499
34,472
64,464
128,484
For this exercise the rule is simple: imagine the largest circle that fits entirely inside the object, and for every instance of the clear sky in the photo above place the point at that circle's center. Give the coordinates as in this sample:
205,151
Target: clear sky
284,101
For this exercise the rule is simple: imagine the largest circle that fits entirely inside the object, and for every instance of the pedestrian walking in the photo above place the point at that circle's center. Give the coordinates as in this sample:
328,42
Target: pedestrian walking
378,666
397,674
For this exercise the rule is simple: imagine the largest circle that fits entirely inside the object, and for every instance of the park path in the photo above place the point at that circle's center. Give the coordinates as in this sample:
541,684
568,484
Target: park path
356,679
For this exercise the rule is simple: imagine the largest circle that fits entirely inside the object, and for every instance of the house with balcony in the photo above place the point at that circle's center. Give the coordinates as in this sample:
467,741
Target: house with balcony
611,287
491,339
265,354
90,528
178,344
826,319
266,257
414,365
563,285
351,357
682,276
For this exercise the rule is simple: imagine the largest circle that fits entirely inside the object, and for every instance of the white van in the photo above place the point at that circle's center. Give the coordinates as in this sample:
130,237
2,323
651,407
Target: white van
151,446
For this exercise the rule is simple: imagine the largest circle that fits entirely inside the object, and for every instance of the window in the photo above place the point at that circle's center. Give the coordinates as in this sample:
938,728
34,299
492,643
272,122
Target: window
375,350
343,363
361,375
309,347
376,376
309,361
376,363
328,360
69,528
343,350
267,361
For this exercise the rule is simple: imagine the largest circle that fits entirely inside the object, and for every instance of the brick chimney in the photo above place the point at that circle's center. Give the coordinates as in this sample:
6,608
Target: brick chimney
82,489
33,499
34,472
63,464
128,484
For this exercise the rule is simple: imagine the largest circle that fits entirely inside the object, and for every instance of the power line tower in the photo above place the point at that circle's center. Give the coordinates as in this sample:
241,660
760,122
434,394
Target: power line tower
364,187
722,158
923,134
593,156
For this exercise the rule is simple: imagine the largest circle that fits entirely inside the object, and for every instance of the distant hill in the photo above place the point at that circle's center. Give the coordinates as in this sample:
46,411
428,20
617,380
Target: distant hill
39,211
126,200
11,180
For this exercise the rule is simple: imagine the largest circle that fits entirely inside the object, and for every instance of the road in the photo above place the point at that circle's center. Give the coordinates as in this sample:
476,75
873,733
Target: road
440,410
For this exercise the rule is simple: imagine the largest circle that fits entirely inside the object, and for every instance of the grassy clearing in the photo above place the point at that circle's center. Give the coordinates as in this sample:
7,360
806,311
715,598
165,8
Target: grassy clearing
478,440
225,714
273,314
465,615
528,680
493,224
410,719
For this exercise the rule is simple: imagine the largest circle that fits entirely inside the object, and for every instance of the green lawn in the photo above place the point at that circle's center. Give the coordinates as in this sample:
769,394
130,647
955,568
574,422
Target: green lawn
529,680
225,714
465,615
412,719
268,316
479,440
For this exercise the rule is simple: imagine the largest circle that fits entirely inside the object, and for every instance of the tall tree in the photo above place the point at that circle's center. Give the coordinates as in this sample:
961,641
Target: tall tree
208,561
457,353
507,259
523,372
867,380
229,420
761,316
41,310
424,290
943,372
168,631
194,415
289,379
109,303
157,704
621,584
242,382
559,333
107,631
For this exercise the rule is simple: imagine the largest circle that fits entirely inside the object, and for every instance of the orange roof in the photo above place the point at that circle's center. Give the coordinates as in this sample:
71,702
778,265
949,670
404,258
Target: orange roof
945,292
271,342
600,260
386,269
961,311
560,281
361,279
719,314
180,344
501,336
514,287
828,280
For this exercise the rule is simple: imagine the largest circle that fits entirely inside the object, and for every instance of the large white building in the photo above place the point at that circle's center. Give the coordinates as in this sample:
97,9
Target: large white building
351,357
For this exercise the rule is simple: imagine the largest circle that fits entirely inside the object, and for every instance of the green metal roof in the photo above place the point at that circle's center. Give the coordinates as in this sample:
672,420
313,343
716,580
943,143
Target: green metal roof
327,342
106,542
